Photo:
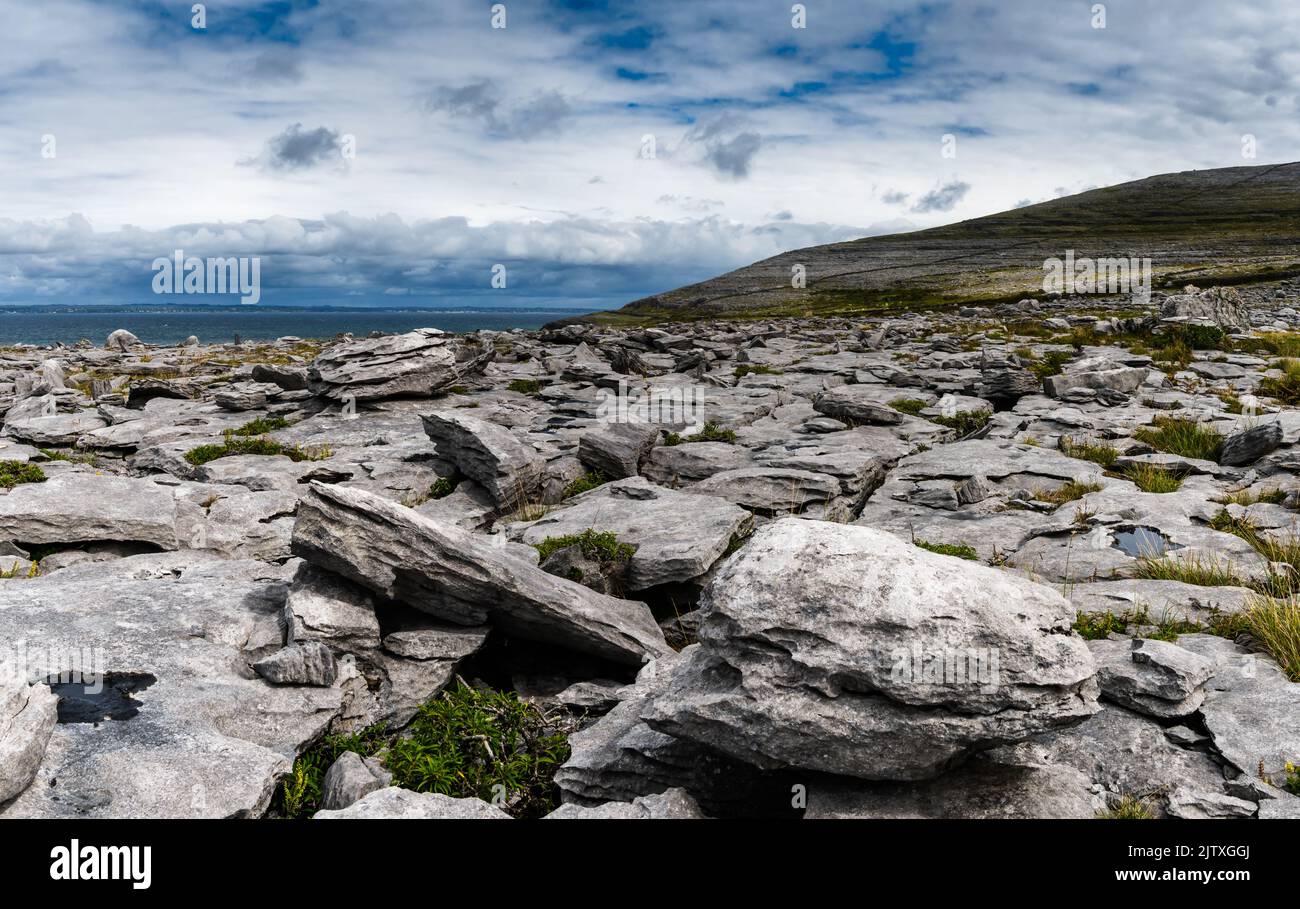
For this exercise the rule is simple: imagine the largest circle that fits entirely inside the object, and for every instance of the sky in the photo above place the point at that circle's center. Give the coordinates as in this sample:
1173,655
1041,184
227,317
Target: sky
589,152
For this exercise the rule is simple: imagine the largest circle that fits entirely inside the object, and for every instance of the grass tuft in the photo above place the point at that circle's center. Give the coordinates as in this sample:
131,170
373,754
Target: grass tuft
585,483
960,550
910,406
1180,436
255,445
1096,452
603,547
262,425
1149,478
14,473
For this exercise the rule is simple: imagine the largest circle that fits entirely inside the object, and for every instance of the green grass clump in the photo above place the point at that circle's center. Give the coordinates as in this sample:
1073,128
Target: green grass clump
585,483
1200,337
1292,782
1285,388
1150,478
755,369
1096,452
910,406
1066,493
960,550
1096,626
1127,808
1198,571
1051,363
255,445
262,425
603,547
438,489
1245,497
299,795
1279,343
526,386
14,473
1275,624
966,422
711,432
479,743
1187,438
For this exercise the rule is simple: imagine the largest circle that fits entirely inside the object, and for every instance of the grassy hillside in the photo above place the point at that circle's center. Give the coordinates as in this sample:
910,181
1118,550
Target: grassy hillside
1224,226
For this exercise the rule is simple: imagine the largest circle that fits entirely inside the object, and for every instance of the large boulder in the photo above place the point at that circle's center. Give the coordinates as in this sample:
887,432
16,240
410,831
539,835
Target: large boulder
419,362
846,650
617,449
1221,305
81,507
491,455
464,579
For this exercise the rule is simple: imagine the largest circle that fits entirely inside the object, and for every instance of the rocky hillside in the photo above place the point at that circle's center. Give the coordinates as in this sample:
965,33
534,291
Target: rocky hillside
1025,560
1223,226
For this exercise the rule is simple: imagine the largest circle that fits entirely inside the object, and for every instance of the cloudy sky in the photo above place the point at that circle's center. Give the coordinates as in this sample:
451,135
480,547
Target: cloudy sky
392,152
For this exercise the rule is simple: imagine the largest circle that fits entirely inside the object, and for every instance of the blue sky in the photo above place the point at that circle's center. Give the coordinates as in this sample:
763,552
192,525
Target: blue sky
527,146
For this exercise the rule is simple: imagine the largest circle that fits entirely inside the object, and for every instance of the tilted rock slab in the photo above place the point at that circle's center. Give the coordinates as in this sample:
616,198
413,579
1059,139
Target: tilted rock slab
491,455
27,717
819,651
465,579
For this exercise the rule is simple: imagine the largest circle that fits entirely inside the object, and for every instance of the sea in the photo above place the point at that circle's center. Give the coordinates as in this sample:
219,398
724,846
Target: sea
167,325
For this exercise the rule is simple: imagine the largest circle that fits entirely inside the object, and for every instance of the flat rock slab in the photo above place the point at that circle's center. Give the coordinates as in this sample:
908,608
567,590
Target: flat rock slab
205,737
678,535
771,490
464,579
80,507
418,362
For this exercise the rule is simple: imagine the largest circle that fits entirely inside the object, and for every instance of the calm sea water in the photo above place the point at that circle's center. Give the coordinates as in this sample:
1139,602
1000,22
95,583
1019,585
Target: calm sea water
219,327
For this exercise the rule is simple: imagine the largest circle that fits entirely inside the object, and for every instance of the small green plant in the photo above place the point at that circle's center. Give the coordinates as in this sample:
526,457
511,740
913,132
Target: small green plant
1149,478
438,489
585,483
299,794
1128,808
711,432
1096,452
1067,492
480,743
755,369
910,406
1285,388
1292,782
603,547
526,386
262,425
1279,343
1096,626
14,473
965,422
52,455
1051,363
960,550
1179,436
253,445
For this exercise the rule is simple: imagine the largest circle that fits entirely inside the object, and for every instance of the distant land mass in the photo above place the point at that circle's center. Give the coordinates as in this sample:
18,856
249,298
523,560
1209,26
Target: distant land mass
1232,225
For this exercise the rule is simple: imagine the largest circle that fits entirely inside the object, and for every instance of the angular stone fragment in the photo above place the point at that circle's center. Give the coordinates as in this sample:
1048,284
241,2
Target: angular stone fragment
351,778
510,470
407,805
616,450
1249,445
462,578
310,663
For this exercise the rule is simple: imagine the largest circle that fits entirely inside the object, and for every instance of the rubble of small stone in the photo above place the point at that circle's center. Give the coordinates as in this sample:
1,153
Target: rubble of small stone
1003,561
